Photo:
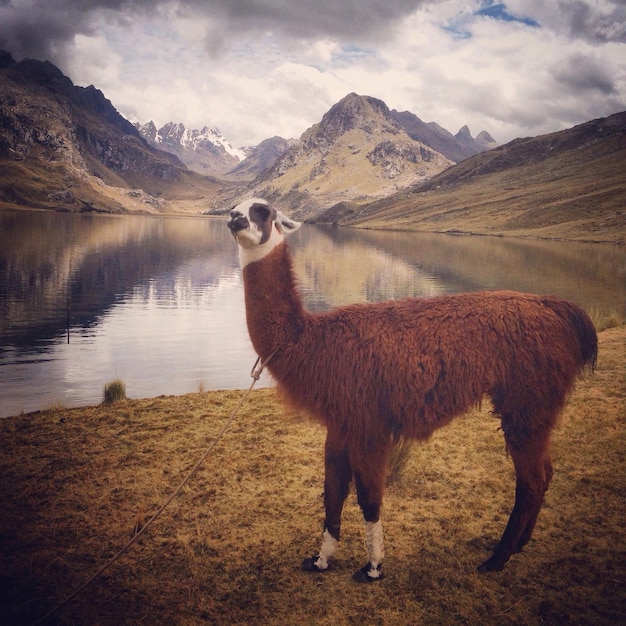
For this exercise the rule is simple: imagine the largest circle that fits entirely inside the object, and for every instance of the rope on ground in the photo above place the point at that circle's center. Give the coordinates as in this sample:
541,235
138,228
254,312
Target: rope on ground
256,372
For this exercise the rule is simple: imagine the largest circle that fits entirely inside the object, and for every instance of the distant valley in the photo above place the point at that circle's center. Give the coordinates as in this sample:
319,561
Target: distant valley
66,148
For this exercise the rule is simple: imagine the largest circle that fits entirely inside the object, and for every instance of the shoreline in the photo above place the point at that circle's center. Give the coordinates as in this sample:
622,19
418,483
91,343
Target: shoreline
618,239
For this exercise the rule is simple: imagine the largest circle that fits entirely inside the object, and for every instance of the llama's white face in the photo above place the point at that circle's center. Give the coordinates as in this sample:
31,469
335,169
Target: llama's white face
258,229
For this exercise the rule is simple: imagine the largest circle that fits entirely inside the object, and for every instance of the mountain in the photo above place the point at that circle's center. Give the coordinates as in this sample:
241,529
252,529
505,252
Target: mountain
357,152
454,147
569,184
260,158
206,151
66,147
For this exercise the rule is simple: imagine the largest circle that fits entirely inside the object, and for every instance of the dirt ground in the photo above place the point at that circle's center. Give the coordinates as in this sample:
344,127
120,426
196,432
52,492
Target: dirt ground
77,484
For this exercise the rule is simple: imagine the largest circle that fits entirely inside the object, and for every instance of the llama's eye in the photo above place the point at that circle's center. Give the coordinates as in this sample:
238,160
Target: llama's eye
261,212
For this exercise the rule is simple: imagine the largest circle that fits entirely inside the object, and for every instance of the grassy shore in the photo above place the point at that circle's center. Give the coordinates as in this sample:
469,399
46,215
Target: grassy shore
77,483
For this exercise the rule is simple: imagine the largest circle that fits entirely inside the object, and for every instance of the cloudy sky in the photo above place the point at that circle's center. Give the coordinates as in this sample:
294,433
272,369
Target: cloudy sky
259,68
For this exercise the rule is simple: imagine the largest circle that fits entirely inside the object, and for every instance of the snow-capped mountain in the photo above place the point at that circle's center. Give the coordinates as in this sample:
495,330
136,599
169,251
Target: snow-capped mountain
206,151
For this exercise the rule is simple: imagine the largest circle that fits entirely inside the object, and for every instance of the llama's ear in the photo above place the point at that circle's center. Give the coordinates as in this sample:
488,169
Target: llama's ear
286,225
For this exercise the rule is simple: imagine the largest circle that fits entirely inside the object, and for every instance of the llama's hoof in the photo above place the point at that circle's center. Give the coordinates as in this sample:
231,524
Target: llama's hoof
368,574
493,564
310,564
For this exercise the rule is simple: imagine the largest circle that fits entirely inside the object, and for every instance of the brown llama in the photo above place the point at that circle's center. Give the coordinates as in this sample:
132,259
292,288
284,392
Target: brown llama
373,372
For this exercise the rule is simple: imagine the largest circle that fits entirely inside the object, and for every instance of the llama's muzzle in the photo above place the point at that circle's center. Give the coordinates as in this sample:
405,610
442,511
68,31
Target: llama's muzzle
237,222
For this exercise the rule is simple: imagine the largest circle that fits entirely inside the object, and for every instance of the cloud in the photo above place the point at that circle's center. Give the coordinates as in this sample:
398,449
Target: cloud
355,20
595,21
257,68
584,73
41,29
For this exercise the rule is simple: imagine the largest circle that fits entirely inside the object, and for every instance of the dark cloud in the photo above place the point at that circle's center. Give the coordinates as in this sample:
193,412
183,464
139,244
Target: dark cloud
595,22
288,20
582,73
42,30
353,19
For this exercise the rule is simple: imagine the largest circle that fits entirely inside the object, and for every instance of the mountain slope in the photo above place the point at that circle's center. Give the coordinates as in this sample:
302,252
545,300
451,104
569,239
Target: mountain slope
260,158
205,151
569,184
66,147
454,147
356,152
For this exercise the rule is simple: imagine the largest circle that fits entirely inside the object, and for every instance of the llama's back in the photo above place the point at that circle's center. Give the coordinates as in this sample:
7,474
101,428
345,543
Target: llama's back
418,363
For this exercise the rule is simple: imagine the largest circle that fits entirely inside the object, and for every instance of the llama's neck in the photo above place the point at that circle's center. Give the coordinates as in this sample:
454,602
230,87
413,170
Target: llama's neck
274,311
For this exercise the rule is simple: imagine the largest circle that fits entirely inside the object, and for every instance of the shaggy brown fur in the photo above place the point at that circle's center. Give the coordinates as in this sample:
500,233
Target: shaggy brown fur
376,371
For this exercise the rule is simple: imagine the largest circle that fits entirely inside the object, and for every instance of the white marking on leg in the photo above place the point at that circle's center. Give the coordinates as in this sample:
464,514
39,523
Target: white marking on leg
328,549
375,547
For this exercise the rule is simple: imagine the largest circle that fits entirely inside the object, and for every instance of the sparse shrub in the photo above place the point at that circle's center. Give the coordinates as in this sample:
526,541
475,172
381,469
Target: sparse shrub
114,391
603,320
612,320
57,405
398,459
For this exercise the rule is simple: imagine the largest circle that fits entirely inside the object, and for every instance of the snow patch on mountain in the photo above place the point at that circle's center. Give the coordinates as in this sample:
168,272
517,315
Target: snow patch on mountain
206,151
192,139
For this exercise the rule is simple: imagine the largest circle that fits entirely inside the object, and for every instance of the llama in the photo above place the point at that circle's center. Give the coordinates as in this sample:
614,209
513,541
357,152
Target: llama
373,372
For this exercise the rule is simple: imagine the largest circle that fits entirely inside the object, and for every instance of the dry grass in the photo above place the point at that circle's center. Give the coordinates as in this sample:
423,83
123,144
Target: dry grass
577,194
77,483
115,391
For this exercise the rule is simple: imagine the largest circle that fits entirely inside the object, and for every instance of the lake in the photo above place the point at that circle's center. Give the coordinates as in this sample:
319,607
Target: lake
158,301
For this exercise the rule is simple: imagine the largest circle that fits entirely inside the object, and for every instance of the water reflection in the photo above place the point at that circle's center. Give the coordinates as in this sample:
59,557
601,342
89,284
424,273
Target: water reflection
158,302
338,266
53,263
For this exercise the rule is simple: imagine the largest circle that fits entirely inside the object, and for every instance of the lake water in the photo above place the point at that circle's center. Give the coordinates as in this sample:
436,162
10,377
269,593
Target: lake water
158,301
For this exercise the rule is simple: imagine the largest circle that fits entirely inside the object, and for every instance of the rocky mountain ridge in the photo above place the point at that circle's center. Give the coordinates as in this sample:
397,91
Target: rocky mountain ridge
206,151
357,151
67,148
454,147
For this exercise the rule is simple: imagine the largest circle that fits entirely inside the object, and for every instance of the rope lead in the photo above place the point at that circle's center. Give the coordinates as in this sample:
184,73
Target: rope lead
256,372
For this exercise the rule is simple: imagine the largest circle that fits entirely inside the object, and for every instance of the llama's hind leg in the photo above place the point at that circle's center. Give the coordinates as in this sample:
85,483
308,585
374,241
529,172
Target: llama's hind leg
533,469
338,474
530,526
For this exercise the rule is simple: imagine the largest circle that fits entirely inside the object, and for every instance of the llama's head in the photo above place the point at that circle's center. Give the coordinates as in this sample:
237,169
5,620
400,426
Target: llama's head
258,229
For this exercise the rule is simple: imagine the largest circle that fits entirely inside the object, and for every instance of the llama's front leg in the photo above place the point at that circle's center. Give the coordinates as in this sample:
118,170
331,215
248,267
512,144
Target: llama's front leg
336,487
369,488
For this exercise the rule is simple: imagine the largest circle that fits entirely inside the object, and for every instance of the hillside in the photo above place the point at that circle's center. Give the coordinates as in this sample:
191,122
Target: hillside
454,147
569,184
66,148
260,158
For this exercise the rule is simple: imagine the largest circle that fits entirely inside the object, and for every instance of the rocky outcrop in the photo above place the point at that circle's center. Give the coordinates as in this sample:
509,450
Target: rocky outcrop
394,156
454,147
